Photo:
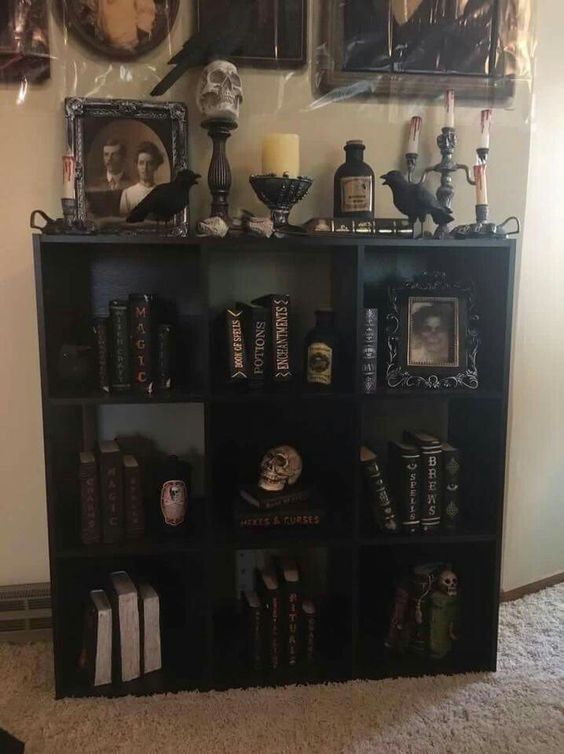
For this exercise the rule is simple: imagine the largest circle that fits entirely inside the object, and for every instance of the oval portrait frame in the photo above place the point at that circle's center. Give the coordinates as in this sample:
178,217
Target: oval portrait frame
79,30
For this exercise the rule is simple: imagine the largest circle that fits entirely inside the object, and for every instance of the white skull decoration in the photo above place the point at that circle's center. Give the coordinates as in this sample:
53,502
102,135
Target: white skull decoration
220,91
280,466
448,583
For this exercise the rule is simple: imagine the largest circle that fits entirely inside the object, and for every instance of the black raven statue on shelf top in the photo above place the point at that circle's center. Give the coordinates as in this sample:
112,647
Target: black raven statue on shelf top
166,200
416,201
223,36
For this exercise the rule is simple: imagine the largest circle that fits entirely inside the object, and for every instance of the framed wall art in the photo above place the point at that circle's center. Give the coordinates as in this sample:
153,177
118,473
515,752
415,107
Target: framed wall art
432,339
419,48
24,41
278,38
120,29
122,150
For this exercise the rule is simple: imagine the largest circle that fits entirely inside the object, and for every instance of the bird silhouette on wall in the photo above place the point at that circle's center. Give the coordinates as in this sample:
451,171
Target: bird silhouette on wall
223,36
166,200
415,201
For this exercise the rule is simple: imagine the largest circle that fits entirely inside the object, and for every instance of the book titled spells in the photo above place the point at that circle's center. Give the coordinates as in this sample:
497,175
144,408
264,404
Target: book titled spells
279,306
236,350
404,465
431,478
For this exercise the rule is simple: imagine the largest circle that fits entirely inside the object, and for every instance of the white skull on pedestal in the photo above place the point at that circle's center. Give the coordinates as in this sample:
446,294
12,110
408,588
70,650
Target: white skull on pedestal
220,91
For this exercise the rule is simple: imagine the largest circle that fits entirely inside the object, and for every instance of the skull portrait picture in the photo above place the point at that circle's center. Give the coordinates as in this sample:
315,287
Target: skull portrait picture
280,466
220,91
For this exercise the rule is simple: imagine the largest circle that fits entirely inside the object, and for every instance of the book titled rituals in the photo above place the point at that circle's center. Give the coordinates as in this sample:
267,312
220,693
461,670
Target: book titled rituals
279,306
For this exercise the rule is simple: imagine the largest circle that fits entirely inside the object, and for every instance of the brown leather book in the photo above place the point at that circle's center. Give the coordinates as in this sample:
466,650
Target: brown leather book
111,491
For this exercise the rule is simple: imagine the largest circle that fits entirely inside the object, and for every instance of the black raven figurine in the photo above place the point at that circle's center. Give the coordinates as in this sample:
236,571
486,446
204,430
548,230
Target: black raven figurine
415,201
220,38
166,200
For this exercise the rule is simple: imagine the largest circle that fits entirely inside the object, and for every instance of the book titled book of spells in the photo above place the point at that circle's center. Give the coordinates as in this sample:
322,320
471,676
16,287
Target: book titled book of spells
279,306
451,488
126,635
149,628
268,590
296,494
90,530
256,327
96,656
232,337
404,470
253,620
383,506
431,478
111,491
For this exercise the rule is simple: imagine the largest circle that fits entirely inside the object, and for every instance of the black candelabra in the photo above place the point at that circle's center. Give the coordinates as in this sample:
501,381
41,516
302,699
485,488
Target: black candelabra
446,141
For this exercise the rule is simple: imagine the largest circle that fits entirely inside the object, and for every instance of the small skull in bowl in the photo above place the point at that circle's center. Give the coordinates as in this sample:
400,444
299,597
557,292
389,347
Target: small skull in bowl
279,467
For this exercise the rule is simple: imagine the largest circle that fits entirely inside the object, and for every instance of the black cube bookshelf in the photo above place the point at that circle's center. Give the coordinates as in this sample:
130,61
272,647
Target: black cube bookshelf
228,431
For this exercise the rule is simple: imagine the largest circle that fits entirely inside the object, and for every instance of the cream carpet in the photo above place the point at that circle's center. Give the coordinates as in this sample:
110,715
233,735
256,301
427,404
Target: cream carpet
518,709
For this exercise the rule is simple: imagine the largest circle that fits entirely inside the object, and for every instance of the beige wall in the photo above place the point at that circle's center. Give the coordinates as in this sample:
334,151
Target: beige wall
31,135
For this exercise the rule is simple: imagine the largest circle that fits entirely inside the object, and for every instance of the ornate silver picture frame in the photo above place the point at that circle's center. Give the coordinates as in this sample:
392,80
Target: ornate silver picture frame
432,336
123,148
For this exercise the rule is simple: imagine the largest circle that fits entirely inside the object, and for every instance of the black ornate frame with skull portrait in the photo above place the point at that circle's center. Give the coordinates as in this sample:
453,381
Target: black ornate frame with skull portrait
431,331
120,29
122,149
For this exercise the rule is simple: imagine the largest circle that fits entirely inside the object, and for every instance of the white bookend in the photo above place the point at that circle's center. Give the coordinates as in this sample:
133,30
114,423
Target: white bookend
126,626
101,635
149,617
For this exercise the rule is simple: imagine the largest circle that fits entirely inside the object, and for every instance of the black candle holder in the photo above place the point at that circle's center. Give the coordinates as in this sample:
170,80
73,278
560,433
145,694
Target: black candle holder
219,173
280,194
482,228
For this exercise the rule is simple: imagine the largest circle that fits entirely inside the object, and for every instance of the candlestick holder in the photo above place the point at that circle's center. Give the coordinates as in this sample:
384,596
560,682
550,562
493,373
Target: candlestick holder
446,141
484,229
280,194
219,173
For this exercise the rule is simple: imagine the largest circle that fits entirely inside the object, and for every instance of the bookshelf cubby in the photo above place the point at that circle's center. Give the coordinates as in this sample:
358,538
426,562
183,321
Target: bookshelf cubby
224,432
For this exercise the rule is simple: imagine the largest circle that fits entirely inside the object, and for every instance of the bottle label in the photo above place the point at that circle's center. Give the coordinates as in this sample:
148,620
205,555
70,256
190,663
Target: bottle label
174,501
319,363
356,194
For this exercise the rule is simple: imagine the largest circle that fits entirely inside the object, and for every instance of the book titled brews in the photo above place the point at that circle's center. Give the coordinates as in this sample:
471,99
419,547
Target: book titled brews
279,305
431,478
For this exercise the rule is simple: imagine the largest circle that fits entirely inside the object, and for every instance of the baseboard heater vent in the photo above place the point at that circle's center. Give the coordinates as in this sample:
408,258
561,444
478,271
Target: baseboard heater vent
25,613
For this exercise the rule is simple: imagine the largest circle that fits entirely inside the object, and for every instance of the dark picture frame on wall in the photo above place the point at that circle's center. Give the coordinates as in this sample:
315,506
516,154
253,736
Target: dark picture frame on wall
420,48
24,42
432,336
278,38
118,30
122,149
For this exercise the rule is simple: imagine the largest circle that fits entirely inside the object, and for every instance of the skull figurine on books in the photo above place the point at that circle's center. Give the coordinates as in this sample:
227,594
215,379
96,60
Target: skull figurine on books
448,583
220,91
280,466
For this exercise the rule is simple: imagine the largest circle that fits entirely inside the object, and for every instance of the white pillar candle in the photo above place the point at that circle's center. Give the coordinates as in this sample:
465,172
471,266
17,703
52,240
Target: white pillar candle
481,183
449,108
414,131
68,176
281,154
485,128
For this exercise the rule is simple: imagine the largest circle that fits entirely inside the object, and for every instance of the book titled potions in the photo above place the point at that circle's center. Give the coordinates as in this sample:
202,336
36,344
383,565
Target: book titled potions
354,185
320,349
